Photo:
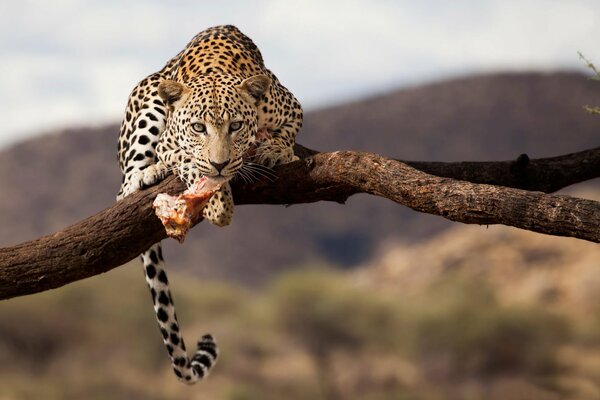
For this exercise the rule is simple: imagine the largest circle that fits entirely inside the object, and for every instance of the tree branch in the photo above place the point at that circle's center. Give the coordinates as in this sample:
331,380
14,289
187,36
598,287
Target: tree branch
543,174
118,234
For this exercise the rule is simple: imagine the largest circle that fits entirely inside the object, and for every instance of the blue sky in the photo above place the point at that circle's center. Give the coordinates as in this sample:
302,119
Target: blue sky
74,62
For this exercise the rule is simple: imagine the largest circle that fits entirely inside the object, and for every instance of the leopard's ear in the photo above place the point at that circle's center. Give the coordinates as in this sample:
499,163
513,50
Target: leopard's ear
255,86
172,93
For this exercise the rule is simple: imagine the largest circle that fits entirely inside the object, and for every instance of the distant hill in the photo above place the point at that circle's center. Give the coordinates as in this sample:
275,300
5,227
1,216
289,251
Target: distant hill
57,179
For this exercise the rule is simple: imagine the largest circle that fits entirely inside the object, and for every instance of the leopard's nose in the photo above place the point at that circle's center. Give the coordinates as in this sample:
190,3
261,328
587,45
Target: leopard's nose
219,166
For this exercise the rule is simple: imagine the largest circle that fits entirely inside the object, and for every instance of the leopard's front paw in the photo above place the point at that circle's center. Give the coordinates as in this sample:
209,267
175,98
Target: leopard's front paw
138,180
153,174
270,155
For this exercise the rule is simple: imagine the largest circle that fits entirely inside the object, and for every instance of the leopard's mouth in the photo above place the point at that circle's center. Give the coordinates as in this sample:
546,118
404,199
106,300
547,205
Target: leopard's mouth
218,179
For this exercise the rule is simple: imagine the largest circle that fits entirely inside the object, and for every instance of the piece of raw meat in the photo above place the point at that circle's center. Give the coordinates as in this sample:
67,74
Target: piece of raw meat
179,213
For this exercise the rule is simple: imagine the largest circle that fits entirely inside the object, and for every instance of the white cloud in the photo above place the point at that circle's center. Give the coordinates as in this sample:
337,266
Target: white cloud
70,61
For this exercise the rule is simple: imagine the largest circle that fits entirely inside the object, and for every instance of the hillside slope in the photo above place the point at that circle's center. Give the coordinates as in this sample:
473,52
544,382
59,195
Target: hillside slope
57,179
521,267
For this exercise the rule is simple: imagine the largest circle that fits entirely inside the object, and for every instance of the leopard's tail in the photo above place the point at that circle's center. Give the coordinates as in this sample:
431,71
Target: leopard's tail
187,370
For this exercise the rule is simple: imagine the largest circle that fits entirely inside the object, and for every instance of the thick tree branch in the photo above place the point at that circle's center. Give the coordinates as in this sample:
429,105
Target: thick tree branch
118,234
543,174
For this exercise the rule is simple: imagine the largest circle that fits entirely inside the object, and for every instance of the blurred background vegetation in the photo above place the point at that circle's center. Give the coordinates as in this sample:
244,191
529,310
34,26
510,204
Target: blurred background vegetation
467,330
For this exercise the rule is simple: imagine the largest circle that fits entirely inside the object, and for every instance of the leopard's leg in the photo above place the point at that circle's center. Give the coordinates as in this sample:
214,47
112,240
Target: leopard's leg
187,370
144,122
219,210
279,149
142,168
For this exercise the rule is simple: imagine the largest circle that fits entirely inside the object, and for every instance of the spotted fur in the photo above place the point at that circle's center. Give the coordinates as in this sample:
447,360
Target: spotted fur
214,110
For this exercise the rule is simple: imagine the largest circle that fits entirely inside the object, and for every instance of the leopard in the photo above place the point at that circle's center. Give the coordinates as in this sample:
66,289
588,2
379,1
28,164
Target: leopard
214,111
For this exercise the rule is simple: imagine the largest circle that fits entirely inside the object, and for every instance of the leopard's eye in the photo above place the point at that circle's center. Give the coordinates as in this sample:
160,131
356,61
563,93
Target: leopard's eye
235,126
199,127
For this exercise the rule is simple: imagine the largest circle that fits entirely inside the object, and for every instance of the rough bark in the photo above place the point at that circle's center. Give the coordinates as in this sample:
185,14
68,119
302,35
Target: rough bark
118,234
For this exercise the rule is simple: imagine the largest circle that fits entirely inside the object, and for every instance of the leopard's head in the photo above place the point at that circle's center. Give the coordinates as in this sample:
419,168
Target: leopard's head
214,120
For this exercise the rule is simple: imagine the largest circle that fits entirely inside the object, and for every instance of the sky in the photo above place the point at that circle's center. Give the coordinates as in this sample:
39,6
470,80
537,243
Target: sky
74,62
